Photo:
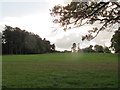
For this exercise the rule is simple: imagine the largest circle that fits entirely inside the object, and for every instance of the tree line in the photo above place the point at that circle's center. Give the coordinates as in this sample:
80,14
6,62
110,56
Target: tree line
90,49
96,49
17,41
115,46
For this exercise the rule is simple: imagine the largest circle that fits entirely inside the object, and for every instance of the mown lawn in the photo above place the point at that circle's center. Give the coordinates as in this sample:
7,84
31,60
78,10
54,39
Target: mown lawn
60,71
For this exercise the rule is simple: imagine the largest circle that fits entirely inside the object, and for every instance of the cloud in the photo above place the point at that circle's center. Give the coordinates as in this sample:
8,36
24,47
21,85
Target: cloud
104,38
38,23
41,22
66,41
74,36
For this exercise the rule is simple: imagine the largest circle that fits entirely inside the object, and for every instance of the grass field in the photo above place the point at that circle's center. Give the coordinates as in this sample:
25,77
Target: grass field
60,71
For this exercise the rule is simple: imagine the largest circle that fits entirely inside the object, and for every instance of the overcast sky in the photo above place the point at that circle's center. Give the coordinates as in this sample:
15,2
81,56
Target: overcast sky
34,16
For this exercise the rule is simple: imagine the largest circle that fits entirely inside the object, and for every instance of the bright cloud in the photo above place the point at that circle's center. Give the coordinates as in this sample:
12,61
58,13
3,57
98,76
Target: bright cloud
37,23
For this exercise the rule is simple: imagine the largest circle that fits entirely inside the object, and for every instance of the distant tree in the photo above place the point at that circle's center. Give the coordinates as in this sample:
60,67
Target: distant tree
99,48
47,45
74,47
115,41
66,51
53,47
85,50
7,38
88,49
77,14
79,47
106,50
17,41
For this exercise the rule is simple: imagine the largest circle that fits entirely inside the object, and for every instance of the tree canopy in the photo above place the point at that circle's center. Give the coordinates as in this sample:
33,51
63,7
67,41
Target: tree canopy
99,48
74,47
115,41
77,14
106,50
95,49
17,41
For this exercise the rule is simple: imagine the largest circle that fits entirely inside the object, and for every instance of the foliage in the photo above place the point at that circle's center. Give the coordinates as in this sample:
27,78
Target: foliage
99,48
74,47
88,49
106,50
116,41
77,14
53,47
17,41
96,49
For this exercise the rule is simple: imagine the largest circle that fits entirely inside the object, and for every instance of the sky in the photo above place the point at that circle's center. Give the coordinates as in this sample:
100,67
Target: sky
34,16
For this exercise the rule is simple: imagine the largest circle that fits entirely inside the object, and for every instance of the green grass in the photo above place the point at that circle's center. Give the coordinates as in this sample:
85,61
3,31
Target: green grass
60,71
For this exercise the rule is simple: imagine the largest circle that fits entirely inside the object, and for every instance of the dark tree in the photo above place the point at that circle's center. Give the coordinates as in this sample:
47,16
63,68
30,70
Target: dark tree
77,14
74,47
79,47
116,41
99,49
47,45
53,47
106,50
88,49
17,41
